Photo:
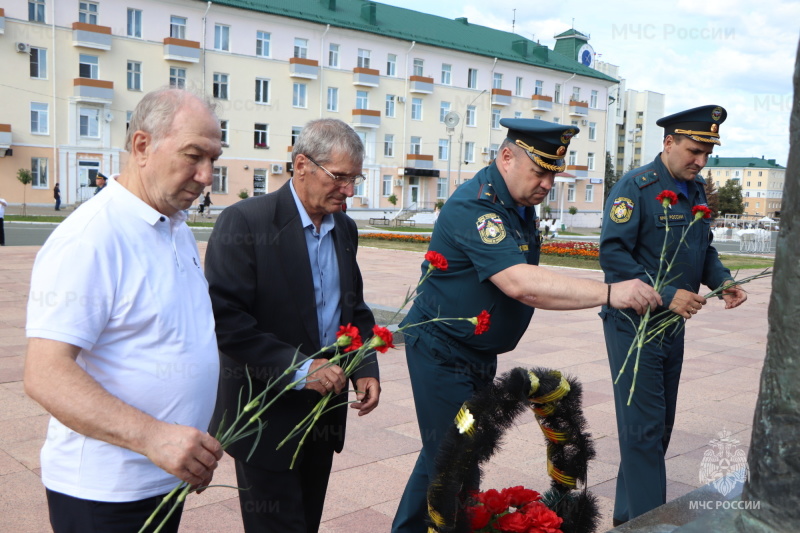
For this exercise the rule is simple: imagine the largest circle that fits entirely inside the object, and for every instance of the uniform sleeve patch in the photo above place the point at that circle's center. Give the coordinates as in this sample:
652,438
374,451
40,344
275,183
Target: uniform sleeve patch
491,228
622,210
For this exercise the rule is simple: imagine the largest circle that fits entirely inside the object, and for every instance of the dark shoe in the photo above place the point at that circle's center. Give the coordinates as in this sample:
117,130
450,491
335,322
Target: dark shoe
616,522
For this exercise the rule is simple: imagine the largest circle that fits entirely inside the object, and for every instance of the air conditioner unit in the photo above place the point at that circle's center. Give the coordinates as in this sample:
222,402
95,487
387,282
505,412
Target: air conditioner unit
108,116
401,99
23,48
398,183
485,150
401,171
276,169
584,122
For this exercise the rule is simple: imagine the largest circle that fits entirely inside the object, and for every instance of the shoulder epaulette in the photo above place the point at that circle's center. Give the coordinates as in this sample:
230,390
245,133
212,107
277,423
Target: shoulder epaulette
486,192
646,178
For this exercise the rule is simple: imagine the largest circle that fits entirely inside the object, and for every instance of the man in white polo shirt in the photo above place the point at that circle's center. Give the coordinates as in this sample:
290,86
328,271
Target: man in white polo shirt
121,347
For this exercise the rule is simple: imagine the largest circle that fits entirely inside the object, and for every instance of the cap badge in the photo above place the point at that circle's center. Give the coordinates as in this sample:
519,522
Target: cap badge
717,113
561,151
714,128
566,136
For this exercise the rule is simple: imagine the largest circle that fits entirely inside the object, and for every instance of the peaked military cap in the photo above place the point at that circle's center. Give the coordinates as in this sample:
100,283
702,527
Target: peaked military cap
700,124
545,142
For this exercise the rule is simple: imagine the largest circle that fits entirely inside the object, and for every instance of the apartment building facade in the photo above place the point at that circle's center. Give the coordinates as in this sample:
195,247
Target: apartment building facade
762,181
425,93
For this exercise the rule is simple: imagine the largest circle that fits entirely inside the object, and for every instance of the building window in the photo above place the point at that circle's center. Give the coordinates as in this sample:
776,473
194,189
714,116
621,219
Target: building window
539,87
441,185
219,180
333,99
444,149
444,109
573,158
495,119
593,100
386,185
553,195
262,90
517,114
415,146
261,136
469,152
134,76
537,116
89,122
593,131
223,126
416,109
471,115
391,65
220,86
557,120
300,48
388,145
222,37
333,55
390,98
362,100
590,160
571,192
589,194
262,43
493,151
518,87
177,77
40,123
557,94
39,172
135,23
446,73
759,184
36,10
296,133
87,12
576,94
38,63
363,58
472,78
87,67
497,81
177,27
419,67
299,93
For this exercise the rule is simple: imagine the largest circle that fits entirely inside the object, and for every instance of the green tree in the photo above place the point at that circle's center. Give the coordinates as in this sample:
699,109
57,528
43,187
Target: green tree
573,211
610,177
729,198
25,177
546,210
392,199
244,194
712,196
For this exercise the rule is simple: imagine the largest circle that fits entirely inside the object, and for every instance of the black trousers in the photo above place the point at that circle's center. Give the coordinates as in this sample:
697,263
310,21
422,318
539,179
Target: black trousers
74,515
2,233
289,501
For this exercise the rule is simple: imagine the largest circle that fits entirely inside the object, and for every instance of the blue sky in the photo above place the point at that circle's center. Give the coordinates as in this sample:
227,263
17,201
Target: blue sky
735,53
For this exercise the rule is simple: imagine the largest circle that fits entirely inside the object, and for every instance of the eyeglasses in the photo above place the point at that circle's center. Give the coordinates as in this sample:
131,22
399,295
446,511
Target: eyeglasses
340,180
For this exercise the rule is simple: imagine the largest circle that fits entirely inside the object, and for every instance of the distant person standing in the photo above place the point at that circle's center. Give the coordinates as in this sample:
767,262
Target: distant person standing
207,205
3,205
101,181
57,196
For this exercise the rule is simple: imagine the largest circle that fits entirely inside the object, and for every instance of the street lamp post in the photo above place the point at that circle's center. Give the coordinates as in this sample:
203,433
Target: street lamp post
461,139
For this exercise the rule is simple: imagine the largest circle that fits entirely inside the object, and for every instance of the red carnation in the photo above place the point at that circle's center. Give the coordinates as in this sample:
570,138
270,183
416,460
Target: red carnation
667,198
701,211
542,518
481,322
382,339
436,261
494,501
348,338
479,517
514,523
519,496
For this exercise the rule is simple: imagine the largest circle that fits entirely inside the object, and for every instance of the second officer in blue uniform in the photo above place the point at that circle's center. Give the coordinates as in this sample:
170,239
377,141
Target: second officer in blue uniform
487,232
630,248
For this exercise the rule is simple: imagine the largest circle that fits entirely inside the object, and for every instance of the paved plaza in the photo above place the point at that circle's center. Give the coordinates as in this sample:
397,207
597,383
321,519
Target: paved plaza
724,354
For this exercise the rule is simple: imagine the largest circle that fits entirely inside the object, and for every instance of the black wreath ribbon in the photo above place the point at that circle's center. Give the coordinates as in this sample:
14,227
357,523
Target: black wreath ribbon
476,435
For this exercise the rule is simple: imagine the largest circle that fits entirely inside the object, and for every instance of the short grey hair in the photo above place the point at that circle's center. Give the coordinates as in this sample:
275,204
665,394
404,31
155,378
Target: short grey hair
155,113
322,137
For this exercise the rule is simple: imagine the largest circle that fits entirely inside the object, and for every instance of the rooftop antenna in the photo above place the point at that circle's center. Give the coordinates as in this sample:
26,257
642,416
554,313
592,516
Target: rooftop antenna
513,19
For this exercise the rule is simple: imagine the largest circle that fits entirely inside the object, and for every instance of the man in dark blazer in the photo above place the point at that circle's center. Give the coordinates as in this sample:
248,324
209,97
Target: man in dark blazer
283,277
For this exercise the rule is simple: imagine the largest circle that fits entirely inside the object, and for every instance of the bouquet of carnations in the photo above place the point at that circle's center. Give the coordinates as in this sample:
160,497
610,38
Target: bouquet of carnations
515,509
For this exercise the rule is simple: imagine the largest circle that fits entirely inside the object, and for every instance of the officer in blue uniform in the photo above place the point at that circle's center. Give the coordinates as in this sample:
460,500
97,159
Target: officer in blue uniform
630,248
487,232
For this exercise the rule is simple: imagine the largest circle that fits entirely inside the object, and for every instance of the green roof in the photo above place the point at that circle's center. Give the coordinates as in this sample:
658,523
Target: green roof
408,25
739,162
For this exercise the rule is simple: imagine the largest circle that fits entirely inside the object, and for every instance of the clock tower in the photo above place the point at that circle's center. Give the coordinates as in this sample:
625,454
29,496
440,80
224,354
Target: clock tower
575,45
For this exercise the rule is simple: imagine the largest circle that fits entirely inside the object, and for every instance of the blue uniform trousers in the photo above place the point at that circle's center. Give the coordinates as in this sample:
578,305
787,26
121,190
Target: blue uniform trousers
644,426
443,375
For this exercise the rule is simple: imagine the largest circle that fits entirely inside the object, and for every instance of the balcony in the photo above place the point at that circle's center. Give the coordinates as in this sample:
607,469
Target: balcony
578,109
181,50
2,21
366,77
366,118
540,102
300,67
419,161
93,90
579,171
91,36
501,97
5,138
421,85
